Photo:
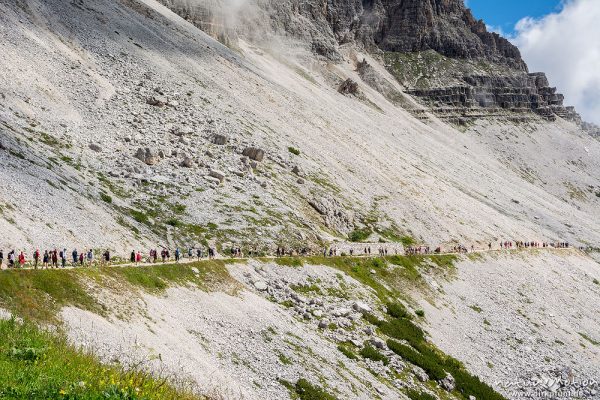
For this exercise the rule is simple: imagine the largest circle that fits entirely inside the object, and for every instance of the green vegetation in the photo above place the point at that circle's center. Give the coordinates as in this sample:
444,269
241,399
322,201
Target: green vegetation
284,360
372,353
294,151
407,241
305,289
304,390
359,235
397,310
39,295
420,313
106,198
415,395
36,364
345,349
589,339
476,308
596,282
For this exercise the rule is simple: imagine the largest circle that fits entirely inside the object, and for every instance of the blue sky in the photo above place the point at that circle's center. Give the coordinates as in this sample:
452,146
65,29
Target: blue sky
504,14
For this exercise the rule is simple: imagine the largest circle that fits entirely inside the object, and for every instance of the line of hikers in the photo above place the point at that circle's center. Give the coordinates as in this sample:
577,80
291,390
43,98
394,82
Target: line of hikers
55,258
52,258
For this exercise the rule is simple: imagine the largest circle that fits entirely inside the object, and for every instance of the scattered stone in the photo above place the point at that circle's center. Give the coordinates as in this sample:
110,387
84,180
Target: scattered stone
187,162
297,170
95,147
254,153
219,139
361,307
448,383
157,101
214,173
420,373
348,87
323,324
260,285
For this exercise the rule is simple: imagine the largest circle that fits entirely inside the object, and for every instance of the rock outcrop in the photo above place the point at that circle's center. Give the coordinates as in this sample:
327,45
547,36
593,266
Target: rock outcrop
492,94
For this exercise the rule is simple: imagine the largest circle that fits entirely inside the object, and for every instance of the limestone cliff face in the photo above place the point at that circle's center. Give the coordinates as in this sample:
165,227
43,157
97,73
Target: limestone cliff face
445,26
396,27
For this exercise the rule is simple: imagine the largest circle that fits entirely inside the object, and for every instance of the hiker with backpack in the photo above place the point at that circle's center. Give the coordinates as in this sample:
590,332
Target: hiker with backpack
36,258
1,258
21,260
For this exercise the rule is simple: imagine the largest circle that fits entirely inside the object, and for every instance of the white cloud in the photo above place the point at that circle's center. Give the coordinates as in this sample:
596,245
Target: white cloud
566,45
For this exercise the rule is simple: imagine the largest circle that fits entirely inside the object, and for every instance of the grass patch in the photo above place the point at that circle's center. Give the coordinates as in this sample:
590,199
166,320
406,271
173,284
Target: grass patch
589,339
372,353
36,364
416,395
359,235
306,289
294,151
304,390
105,198
420,313
39,295
345,349
477,309
289,262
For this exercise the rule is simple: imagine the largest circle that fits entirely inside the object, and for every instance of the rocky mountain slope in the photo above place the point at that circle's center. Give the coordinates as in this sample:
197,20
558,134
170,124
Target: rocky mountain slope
133,124
123,125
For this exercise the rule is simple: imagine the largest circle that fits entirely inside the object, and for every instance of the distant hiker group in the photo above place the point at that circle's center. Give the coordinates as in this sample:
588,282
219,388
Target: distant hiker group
61,258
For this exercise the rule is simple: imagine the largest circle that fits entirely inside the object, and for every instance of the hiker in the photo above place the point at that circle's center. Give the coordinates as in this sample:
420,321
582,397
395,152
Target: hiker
36,258
107,256
45,259
155,256
199,254
75,257
54,258
177,254
90,257
190,253
163,255
138,258
132,257
11,259
81,258
21,259
1,258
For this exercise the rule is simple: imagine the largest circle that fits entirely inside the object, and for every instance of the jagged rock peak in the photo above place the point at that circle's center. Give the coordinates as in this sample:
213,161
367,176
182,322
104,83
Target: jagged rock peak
445,26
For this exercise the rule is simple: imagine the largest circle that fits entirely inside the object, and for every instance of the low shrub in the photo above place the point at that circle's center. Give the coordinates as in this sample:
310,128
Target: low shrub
403,329
431,365
420,313
359,235
345,350
397,310
294,151
372,353
304,390
106,198
415,395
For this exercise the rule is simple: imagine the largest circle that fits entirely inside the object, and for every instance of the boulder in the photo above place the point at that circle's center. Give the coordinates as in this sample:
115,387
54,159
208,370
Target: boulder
157,100
361,307
260,285
215,173
254,153
219,139
348,87
297,170
95,147
448,383
187,162
420,374
147,156
323,324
